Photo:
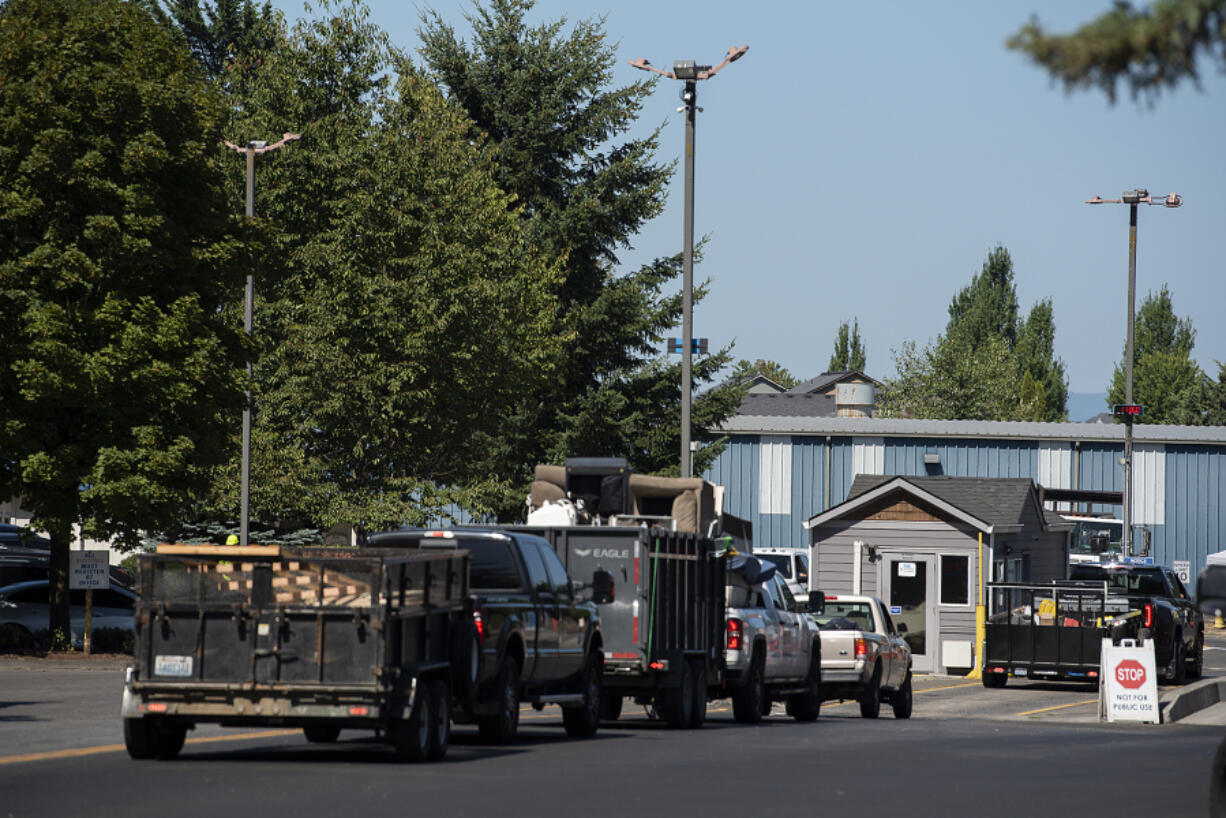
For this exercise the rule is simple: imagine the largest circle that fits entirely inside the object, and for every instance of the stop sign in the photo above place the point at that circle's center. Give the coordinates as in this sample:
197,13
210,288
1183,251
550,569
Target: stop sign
1130,673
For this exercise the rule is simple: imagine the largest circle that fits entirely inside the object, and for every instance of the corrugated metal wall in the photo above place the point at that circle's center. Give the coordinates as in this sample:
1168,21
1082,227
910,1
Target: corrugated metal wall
1180,490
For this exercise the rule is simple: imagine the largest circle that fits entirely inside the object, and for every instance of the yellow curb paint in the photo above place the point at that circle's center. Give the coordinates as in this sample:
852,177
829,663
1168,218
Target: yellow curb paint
1057,707
115,748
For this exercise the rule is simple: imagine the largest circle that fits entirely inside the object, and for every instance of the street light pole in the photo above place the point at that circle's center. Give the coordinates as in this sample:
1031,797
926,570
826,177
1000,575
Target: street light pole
1132,198
251,149
689,73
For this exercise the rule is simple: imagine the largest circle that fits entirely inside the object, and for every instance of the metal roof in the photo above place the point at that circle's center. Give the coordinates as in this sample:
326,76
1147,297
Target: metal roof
1016,430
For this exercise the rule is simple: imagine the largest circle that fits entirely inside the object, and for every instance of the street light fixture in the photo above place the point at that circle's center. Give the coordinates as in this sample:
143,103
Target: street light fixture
1129,411
690,73
251,149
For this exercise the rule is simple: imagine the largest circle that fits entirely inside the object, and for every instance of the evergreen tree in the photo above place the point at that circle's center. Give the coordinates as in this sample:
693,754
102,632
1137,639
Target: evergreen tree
988,305
119,372
541,96
1164,375
1152,49
1036,358
1204,404
848,349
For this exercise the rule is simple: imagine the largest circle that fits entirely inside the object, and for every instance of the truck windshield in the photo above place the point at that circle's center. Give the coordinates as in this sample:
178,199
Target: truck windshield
782,563
846,616
1146,581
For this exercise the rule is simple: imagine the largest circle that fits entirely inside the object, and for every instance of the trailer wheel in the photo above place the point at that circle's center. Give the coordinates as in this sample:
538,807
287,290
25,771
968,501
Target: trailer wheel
321,733
698,675
411,737
610,707
153,738
138,738
995,679
583,721
676,704
501,727
440,738
870,696
902,698
747,700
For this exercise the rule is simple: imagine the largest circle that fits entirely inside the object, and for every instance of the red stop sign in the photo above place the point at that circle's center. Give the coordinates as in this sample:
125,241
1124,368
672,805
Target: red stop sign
1130,673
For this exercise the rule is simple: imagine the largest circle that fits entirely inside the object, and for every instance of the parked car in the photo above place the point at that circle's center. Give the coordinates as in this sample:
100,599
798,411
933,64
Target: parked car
26,605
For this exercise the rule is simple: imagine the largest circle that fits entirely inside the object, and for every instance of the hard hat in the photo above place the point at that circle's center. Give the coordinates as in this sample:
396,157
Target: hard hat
232,539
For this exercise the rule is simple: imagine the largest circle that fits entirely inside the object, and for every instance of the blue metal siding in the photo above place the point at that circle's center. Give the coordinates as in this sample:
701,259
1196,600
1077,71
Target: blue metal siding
959,458
1195,511
808,487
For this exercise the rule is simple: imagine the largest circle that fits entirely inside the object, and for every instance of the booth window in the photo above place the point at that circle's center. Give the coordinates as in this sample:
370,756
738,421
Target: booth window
955,580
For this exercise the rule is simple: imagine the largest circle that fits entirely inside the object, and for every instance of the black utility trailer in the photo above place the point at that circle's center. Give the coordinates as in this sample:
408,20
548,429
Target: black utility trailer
1051,632
322,639
662,607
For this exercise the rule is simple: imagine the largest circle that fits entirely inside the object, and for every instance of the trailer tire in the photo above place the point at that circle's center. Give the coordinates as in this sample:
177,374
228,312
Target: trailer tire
995,680
870,696
138,738
807,706
1179,664
501,727
440,713
747,700
584,720
677,703
698,676
153,738
610,707
411,737
321,733
902,699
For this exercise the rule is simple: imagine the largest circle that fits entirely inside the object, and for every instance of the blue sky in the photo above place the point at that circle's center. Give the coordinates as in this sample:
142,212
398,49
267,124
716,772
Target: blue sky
863,159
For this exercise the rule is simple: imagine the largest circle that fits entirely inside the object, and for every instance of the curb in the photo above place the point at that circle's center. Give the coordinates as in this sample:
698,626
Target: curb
1192,698
62,662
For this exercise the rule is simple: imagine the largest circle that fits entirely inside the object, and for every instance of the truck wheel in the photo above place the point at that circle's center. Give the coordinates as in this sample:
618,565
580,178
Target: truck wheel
321,733
677,703
1179,668
440,711
1197,668
995,679
870,696
902,698
807,706
582,721
610,707
747,700
411,737
153,738
501,727
138,738
698,675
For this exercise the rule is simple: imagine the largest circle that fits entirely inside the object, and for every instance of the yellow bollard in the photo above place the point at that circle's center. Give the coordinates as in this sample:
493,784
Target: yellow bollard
1217,620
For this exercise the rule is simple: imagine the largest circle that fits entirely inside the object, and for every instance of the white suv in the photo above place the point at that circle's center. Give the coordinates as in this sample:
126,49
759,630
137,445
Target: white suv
792,564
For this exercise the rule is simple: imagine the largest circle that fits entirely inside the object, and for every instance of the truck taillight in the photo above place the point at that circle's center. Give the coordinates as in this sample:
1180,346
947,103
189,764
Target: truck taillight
480,625
1147,616
734,634
861,648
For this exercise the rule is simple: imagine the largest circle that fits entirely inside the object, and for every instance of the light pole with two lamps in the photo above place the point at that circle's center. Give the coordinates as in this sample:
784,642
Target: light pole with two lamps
689,73
251,149
1128,410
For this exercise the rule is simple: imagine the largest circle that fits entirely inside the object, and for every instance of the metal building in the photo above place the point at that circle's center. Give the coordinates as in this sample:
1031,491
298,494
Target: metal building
781,469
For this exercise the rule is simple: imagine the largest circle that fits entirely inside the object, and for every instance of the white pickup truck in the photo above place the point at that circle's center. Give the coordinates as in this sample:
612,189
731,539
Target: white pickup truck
773,646
864,655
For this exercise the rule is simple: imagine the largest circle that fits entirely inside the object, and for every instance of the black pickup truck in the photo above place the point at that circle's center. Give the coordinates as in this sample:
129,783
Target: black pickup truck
1055,631
541,642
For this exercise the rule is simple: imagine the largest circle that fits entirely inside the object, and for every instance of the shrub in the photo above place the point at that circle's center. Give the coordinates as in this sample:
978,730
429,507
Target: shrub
113,640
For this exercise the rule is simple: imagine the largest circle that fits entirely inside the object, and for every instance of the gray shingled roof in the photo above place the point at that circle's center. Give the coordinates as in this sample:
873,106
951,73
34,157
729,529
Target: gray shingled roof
995,500
787,404
825,380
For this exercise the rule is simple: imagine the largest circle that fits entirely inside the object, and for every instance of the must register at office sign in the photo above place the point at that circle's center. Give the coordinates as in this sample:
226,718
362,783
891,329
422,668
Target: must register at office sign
1128,687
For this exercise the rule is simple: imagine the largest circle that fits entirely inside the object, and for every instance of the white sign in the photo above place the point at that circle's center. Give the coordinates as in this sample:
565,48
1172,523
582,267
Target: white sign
906,569
1184,569
1128,688
89,569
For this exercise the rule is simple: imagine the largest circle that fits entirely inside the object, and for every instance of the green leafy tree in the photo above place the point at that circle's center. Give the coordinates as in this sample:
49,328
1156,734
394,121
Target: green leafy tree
1151,49
226,35
541,96
1164,375
982,340
118,254
1205,403
745,369
403,315
848,349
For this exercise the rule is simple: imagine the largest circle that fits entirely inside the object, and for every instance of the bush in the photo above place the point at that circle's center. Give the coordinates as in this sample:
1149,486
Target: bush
15,638
113,640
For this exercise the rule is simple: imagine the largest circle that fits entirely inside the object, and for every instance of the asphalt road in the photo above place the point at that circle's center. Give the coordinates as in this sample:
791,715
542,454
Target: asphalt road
1028,749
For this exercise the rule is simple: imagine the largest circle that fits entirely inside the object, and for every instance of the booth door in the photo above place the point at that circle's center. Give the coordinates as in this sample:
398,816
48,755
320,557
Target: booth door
909,594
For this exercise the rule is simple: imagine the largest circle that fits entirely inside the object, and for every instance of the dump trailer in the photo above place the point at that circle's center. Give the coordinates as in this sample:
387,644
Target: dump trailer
323,639
1051,632
660,594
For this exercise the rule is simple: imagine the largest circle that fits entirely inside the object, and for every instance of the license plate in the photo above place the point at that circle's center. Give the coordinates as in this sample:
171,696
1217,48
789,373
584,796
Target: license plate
172,666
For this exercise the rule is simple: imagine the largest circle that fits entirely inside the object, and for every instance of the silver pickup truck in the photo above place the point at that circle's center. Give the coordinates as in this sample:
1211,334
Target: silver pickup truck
773,646
864,655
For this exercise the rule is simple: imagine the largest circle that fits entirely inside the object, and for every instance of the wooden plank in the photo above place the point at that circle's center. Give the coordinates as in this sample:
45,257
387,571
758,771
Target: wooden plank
205,550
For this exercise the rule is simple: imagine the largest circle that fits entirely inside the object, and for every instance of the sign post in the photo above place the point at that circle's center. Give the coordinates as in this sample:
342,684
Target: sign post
1128,685
88,570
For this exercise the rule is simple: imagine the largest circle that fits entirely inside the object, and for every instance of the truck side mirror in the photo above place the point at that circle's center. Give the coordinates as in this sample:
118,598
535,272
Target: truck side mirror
602,587
817,602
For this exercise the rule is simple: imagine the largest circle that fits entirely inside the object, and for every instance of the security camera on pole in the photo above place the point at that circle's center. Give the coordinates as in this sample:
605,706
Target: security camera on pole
689,73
